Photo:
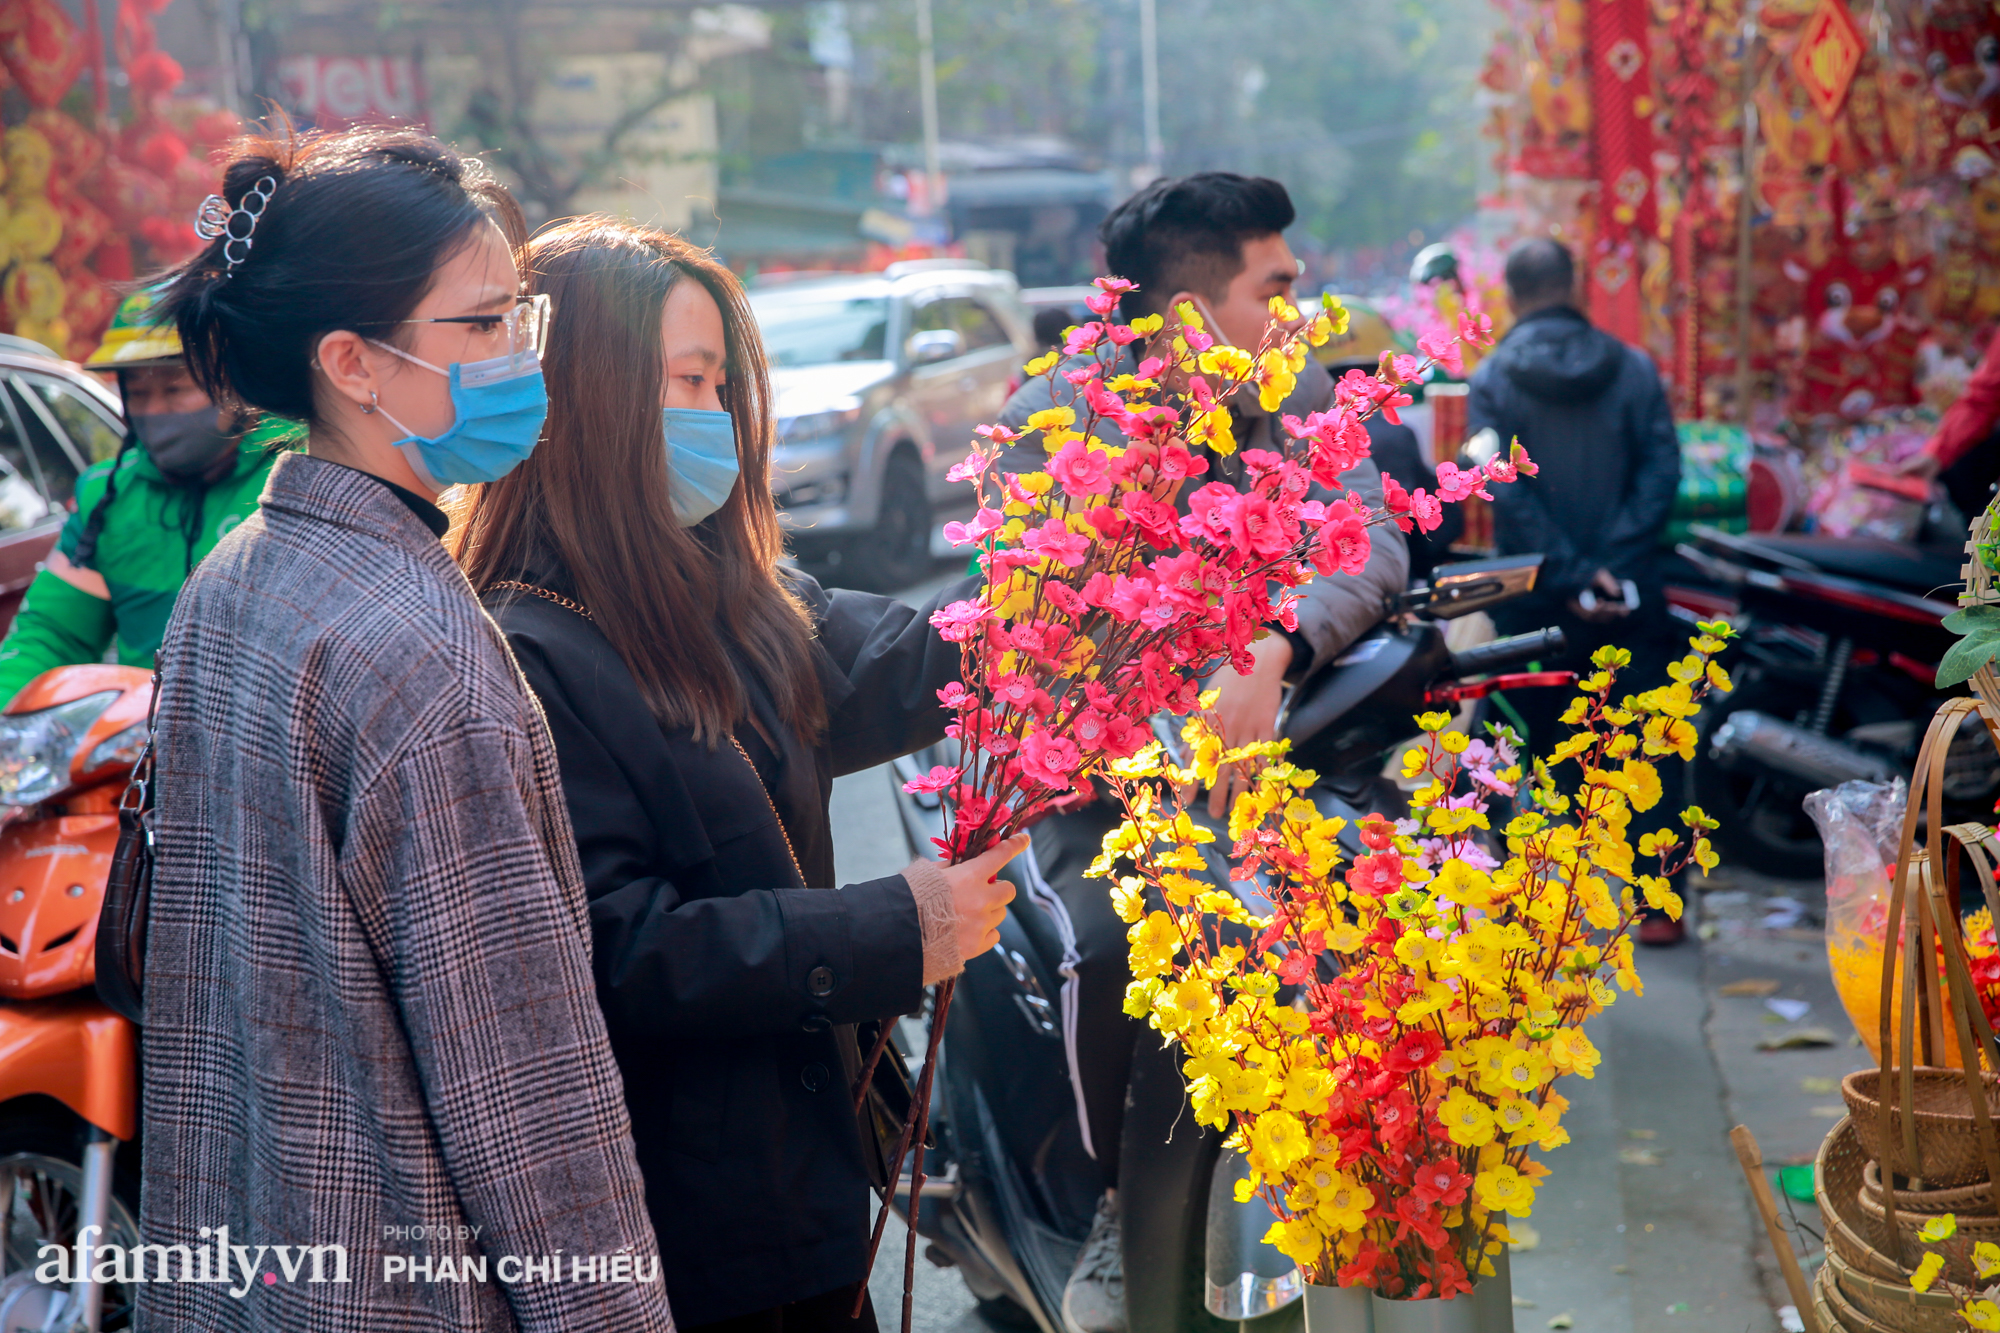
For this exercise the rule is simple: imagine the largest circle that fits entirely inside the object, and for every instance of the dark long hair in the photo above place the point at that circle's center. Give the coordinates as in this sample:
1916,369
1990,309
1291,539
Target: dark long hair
674,602
358,224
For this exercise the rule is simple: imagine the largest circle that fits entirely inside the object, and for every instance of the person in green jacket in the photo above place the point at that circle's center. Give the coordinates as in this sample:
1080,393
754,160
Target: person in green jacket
145,518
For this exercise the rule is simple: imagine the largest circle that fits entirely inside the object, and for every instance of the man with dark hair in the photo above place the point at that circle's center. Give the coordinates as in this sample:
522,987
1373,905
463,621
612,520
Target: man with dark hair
1195,237
1593,414
1215,241
1540,275
1049,326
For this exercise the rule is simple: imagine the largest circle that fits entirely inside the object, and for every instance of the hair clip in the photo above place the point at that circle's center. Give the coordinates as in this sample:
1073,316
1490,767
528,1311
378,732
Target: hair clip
235,226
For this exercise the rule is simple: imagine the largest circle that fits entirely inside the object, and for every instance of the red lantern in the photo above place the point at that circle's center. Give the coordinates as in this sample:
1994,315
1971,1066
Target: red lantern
154,73
161,152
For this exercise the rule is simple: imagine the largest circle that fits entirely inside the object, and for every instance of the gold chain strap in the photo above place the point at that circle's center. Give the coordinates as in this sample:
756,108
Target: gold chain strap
568,605
774,810
543,593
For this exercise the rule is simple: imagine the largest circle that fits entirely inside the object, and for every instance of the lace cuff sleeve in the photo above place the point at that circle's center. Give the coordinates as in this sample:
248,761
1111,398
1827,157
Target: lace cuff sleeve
937,918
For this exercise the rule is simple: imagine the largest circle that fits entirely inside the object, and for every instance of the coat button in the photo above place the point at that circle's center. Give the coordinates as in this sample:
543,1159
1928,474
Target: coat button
814,1076
820,981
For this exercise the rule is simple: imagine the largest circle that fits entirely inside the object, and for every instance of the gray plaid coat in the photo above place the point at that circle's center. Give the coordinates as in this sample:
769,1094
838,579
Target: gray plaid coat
370,1018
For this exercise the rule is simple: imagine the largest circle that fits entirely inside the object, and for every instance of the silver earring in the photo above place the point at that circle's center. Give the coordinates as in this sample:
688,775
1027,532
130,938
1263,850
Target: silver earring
374,401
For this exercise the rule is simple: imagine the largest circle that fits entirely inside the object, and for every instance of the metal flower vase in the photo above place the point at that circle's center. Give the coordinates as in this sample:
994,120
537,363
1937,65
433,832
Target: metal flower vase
1339,1310
1488,1308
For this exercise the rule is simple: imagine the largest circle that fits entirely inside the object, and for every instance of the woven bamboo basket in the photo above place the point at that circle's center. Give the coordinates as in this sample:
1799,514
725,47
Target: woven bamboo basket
1837,1176
1828,1321
1895,1305
1840,1312
1929,1126
1971,1230
1960,1200
1948,1147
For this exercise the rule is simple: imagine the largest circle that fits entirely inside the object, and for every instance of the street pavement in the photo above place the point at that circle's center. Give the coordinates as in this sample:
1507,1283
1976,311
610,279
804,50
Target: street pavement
1645,1224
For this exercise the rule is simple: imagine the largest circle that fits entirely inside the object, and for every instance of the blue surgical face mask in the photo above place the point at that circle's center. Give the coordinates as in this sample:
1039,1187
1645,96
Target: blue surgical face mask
702,466
500,405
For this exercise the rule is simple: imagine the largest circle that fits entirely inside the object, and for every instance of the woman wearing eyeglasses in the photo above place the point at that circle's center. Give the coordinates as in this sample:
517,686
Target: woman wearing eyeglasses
702,703
369,1018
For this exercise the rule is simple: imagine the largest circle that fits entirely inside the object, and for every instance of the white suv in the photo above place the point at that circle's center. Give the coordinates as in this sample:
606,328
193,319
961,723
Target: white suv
878,380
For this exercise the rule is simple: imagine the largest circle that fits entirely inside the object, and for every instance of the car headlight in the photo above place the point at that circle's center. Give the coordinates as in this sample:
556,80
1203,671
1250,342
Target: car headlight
816,425
36,749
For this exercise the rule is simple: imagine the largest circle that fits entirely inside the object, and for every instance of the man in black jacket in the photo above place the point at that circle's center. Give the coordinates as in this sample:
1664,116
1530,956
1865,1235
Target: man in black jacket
1593,415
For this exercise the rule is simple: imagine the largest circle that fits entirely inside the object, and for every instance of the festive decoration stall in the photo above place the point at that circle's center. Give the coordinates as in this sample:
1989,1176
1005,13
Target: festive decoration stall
1794,206
94,191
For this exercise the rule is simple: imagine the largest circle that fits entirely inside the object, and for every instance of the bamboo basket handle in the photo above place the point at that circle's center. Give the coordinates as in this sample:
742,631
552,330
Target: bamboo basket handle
1929,774
1932,875
1974,839
1930,881
1966,1012
1986,684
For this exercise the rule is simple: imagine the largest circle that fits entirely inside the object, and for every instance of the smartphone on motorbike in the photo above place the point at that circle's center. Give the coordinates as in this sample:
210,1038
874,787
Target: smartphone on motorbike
1589,600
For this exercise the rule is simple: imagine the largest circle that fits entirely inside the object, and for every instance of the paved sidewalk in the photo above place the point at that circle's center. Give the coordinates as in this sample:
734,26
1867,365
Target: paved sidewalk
1645,1223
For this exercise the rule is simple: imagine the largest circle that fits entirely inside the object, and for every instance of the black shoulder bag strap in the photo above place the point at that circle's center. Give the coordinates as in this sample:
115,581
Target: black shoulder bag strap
121,923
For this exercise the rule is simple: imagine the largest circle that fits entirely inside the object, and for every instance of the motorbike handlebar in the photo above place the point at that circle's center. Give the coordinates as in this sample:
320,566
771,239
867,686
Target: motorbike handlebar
1506,652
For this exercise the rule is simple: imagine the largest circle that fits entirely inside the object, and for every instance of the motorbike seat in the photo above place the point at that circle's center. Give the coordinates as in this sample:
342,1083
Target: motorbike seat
1917,569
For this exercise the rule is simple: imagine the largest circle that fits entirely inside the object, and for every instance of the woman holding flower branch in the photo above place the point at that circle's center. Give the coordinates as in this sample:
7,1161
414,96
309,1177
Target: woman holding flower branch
701,702
1382,1040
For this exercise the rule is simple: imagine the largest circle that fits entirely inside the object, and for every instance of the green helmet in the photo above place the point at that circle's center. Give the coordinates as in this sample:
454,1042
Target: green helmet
134,339
1434,263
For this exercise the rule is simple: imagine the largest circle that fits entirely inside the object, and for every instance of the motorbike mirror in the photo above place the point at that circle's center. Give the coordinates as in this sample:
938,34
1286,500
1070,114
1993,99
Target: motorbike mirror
1473,585
1482,448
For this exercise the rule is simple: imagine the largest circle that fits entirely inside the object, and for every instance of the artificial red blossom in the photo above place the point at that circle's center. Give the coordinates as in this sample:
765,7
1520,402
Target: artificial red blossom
1442,347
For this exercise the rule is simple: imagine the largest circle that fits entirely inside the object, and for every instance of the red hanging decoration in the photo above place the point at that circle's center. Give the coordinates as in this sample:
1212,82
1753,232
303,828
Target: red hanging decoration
1613,288
1687,323
1621,94
1829,51
42,48
1621,87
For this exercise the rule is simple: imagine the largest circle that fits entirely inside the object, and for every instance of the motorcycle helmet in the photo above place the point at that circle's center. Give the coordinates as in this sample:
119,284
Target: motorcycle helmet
134,341
1437,262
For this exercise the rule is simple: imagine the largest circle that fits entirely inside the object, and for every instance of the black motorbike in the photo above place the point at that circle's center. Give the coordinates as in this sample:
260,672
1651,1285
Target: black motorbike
1012,1189
1835,674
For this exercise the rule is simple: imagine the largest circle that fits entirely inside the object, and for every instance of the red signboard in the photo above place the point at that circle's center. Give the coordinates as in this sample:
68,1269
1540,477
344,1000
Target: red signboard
335,92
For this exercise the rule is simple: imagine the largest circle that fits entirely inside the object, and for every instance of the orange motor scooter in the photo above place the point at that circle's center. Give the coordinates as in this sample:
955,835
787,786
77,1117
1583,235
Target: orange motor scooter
69,1066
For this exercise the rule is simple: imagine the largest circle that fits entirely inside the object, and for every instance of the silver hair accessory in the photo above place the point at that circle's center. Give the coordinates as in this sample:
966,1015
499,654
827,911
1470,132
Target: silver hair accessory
215,218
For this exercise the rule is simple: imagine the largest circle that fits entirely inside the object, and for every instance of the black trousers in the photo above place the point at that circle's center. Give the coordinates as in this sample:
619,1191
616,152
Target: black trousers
1098,1035
827,1313
1650,634
1097,1032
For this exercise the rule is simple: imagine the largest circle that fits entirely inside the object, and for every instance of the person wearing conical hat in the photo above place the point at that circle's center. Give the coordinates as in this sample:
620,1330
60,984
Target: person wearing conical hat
145,518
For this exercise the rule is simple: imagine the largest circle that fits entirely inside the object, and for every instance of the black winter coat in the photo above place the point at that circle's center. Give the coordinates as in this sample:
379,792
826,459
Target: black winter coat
1593,415
1397,454
730,988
